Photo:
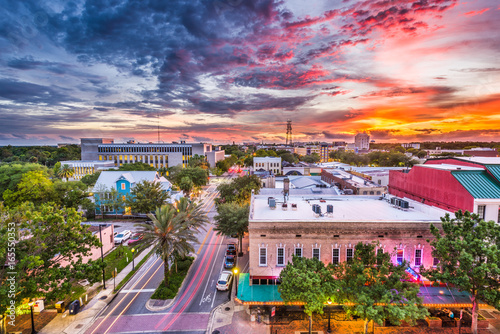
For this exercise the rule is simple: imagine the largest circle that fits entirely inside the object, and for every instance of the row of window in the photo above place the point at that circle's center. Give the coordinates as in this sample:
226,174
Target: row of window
280,257
271,164
187,150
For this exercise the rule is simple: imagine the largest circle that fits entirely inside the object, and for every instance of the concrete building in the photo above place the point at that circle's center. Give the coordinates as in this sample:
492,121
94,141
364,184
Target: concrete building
350,183
362,141
270,164
277,232
473,152
82,168
411,145
453,184
157,155
301,168
378,175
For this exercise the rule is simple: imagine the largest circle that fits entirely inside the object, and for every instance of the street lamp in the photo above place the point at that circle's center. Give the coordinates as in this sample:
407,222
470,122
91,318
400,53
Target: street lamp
329,301
133,265
33,331
235,270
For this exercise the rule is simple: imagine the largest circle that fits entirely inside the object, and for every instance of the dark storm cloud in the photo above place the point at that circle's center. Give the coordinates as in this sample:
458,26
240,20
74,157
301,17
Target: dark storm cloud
68,138
332,135
25,92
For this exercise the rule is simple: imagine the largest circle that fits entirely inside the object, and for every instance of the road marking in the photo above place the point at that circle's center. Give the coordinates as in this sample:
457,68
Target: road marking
210,275
215,289
137,290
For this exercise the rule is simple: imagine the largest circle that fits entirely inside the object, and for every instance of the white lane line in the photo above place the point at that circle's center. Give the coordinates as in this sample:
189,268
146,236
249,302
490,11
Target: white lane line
211,270
137,290
215,289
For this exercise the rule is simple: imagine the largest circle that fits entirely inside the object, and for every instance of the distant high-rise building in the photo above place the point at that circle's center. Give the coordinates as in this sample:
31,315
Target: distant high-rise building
362,141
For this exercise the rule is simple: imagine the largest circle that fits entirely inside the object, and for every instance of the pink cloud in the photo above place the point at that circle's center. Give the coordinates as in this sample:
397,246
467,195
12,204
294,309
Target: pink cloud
476,12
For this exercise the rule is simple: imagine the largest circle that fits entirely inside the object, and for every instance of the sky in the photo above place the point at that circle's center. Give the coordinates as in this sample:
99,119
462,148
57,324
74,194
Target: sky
236,70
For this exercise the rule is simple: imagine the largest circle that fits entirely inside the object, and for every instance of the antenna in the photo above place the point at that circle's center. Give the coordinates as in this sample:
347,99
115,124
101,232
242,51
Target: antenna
289,133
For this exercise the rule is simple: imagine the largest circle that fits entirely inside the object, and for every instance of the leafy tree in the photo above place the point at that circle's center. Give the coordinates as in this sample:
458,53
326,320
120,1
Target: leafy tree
239,189
136,166
232,218
265,153
468,250
198,175
116,200
11,174
308,281
163,171
50,246
194,216
66,172
248,161
146,196
170,233
35,186
91,179
198,161
369,280
70,194
56,168
421,154
313,158
289,157
186,185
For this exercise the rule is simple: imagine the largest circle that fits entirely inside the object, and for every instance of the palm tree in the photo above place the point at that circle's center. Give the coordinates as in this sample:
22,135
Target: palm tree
170,233
65,172
195,217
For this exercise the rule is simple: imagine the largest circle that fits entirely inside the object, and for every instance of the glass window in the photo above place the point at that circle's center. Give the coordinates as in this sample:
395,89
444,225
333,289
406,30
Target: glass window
399,256
298,252
123,186
418,257
316,253
481,211
281,256
262,256
349,254
336,256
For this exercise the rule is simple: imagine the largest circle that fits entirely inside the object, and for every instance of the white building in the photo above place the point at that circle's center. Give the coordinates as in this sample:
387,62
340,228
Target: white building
362,141
270,164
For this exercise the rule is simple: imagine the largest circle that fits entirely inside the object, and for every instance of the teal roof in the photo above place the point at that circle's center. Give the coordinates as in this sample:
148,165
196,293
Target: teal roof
256,293
494,170
478,183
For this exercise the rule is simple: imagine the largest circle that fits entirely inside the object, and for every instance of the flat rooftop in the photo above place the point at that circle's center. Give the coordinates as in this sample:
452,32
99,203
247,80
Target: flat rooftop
345,209
352,179
451,167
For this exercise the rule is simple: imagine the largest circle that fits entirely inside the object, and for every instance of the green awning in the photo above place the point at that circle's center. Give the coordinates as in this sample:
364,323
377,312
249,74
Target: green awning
257,293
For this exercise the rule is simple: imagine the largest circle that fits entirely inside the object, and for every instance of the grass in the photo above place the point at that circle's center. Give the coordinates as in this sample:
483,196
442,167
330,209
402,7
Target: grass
137,267
175,280
118,258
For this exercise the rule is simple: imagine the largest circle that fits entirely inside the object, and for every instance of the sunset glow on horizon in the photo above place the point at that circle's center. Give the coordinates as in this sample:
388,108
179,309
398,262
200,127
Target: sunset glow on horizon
236,70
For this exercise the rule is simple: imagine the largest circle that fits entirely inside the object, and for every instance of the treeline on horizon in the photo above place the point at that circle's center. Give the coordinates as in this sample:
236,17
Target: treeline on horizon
44,155
431,145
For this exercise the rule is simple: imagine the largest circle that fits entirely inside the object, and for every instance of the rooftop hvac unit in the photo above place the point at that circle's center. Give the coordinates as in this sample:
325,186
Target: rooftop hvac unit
272,203
316,208
294,206
393,200
329,208
269,199
404,204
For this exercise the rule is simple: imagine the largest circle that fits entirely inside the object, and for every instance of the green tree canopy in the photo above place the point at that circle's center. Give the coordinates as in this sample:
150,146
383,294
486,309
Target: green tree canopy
369,279
468,250
35,187
239,189
313,158
65,172
232,218
198,161
146,196
198,175
91,179
308,281
186,185
136,166
11,174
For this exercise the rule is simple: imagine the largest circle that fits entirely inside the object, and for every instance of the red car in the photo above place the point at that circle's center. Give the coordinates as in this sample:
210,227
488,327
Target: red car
136,237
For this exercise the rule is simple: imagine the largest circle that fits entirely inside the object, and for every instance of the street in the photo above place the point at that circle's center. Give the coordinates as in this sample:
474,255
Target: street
196,298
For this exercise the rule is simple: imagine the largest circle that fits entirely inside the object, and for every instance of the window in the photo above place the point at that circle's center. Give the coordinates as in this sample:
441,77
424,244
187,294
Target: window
281,256
481,211
418,257
336,256
380,252
399,256
298,252
316,253
263,257
123,186
498,220
349,254
435,262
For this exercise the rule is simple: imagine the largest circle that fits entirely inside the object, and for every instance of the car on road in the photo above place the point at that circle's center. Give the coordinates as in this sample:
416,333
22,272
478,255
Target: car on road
224,280
123,236
229,261
135,238
231,249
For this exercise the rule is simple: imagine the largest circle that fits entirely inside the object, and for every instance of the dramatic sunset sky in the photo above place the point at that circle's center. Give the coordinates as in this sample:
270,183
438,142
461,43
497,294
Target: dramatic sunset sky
236,70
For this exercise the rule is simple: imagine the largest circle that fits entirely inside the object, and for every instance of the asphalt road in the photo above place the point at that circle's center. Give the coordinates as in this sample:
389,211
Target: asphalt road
198,296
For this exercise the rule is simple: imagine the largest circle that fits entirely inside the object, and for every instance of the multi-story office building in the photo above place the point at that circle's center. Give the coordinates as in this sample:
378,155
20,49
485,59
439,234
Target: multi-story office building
362,141
269,164
157,155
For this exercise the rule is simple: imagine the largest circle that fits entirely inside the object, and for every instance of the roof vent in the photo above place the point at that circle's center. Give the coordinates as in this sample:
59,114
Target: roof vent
459,168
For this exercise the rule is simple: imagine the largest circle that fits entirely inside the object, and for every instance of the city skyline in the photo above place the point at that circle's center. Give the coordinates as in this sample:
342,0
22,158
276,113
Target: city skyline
236,70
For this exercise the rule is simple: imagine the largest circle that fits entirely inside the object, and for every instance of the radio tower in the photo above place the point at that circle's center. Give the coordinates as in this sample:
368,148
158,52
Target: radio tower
289,132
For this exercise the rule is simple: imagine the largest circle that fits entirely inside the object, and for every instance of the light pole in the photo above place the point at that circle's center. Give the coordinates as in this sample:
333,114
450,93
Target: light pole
235,270
133,264
102,259
33,331
329,301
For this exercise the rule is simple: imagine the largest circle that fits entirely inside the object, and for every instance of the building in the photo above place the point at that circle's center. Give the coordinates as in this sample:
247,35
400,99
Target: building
123,182
378,175
301,168
473,152
362,141
411,145
277,231
157,155
82,168
269,164
267,178
351,183
453,184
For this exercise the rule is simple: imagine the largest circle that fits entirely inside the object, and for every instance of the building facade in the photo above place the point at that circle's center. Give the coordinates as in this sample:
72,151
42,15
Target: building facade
350,183
82,168
362,141
269,164
278,232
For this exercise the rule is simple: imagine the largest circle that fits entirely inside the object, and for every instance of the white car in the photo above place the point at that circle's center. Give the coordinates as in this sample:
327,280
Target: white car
224,280
123,236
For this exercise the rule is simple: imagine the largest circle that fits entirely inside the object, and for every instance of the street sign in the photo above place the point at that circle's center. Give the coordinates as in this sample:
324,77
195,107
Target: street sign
273,311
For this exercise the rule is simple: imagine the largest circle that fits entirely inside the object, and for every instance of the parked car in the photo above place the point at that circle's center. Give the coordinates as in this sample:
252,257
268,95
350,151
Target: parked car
231,249
229,261
224,280
122,236
136,237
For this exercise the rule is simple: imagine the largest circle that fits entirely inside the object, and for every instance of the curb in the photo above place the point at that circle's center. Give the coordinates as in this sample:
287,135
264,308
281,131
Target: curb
212,315
172,301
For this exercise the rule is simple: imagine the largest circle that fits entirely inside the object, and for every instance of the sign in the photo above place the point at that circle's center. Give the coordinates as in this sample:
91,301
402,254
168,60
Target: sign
273,311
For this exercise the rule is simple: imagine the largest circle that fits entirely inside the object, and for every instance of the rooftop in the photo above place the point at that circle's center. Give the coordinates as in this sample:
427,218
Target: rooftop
345,209
452,167
354,180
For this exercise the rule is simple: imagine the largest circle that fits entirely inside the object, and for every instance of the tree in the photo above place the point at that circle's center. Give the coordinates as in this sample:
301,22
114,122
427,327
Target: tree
468,249
198,175
35,187
377,288
308,281
186,185
232,218
11,174
91,179
136,166
194,216
65,172
170,233
239,189
146,196
313,158
50,245
70,194
198,161
116,200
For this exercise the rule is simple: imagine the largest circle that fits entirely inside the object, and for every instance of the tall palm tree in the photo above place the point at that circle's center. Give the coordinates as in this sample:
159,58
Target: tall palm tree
193,213
65,172
170,233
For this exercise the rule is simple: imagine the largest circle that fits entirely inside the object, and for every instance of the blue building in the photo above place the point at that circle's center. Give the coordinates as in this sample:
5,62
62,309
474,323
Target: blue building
123,182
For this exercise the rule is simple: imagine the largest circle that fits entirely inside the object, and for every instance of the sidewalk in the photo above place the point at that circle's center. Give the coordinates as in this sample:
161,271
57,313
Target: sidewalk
78,324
